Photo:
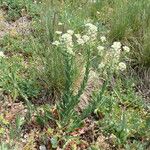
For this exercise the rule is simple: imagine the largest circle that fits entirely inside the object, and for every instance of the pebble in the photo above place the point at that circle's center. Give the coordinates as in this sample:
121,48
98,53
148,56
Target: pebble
42,147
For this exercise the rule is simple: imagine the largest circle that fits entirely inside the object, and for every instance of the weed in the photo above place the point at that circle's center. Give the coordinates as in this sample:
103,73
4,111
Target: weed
70,47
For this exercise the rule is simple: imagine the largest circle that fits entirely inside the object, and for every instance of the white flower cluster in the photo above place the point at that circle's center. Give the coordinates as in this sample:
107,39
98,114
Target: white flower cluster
111,56
81,40
65,40
91,31
90,35
60,23
116,46
126,49
58,32
56,43
121,66
116,51
103,39
2,55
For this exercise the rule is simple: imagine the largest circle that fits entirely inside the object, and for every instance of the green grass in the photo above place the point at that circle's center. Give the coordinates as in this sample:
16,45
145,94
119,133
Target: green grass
130,22
124,114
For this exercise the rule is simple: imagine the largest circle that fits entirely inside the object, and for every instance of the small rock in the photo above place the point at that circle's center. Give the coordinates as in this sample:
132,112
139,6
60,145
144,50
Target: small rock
42,147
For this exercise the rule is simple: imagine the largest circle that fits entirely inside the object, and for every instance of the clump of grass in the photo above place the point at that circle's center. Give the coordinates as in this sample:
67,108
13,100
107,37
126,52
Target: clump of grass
14,81
52,19
146,48
131,22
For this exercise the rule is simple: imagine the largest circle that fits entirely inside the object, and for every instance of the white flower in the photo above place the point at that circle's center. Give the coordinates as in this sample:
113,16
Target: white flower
60,24
117,53
91,27
98,12
93,1
77,35
80,41
66,37
66,40
91,31
100,48
122,66
56,43
71,32
126,49
70,51
88,24
103,39
101,65
116,45
2,54
113,138
58,32
85,38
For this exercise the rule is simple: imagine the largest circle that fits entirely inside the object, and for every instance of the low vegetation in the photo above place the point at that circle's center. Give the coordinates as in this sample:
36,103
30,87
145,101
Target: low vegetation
74,75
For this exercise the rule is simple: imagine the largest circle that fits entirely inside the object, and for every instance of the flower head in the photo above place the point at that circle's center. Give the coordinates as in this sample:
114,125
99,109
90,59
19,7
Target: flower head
60,24
116,45
91,31
58,32
126,49
100,48
66,38
91,27
70,51
2,54
103,39
77,36
101,65
67,42
122,66
85,38
56,43
71,32
80,41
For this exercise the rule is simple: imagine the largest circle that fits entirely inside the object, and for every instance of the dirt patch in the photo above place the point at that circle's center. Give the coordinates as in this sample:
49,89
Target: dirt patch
94,83
20,26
